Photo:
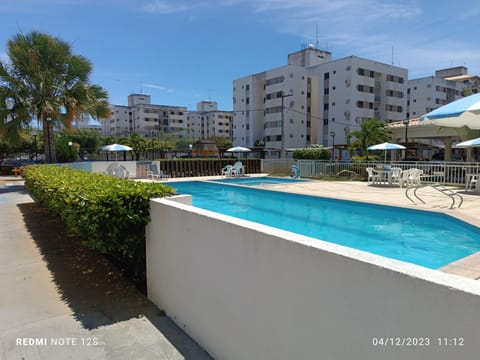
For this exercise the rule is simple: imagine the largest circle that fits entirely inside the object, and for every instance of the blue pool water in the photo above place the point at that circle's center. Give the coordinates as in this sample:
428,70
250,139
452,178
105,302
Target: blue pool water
419,237
259,180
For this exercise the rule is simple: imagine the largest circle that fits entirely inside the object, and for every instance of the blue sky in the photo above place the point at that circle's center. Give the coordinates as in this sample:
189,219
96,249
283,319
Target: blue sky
184,51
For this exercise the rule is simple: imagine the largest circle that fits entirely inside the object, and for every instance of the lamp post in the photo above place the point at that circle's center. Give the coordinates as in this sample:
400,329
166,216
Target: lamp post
332,134
406,122
153,145
283,127
49,140
34,134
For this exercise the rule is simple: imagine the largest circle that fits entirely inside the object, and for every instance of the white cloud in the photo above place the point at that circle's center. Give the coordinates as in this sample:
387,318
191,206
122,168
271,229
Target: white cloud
420,32
158,87
163,7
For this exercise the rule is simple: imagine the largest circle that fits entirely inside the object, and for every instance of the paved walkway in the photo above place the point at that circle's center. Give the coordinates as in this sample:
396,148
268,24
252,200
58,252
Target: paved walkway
59,300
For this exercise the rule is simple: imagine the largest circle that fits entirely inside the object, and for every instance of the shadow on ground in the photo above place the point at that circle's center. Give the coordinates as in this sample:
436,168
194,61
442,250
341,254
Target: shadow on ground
13,189
92,286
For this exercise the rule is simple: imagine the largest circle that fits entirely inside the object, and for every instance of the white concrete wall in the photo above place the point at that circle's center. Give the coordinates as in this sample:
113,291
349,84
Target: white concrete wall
248,291
101,166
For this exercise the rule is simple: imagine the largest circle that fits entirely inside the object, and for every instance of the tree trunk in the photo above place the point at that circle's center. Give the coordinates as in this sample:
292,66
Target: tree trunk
49,142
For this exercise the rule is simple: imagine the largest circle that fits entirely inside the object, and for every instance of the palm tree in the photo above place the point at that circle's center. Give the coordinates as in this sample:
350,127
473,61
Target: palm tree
48,83
372,131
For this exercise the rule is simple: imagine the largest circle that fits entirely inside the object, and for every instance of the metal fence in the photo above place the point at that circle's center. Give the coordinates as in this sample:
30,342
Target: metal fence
452,173
204,167
277,166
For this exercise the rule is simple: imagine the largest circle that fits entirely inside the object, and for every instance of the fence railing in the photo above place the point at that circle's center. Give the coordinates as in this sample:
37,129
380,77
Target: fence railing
277,166
453,173
204,167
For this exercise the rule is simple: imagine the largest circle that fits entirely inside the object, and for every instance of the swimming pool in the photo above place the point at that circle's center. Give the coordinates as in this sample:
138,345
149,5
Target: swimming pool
258,180
424,238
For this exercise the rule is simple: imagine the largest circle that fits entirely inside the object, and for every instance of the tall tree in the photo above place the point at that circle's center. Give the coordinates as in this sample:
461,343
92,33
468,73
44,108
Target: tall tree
47,82
372,131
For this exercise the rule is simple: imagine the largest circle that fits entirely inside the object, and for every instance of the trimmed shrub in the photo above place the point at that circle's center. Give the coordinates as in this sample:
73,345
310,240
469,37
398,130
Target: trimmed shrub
108,214
311,154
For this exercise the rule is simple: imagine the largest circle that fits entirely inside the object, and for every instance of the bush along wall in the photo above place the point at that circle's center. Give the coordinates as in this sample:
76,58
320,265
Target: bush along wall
311,154
109,215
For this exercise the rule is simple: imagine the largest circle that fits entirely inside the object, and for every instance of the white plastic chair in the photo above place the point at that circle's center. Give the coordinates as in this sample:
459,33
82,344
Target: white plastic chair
396,174
238,169
472,182
411,177
153,172
227,171
415,177
372,177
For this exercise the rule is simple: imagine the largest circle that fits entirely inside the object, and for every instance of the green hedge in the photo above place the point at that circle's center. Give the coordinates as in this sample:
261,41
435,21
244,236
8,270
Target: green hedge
109,215
311,154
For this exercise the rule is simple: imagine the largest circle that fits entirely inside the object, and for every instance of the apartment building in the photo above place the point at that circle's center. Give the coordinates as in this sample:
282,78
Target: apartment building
209,122
315,100
147,119
431,92
85,121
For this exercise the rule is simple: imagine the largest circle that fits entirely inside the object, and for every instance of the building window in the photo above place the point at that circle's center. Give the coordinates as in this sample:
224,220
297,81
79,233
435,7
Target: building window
276,80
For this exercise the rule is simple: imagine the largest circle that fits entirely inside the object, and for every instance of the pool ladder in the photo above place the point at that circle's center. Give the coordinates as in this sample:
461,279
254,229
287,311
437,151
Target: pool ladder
440,188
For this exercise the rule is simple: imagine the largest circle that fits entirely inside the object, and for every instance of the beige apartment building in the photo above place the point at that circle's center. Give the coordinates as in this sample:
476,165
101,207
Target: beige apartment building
147,119
315,100
209,122
150,120
428,93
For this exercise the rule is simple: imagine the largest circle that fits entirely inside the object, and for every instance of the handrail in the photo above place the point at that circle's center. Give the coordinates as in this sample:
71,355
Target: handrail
440,188
452,173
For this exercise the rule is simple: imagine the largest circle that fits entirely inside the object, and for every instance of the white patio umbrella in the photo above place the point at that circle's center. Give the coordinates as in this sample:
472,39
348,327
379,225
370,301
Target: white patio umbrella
469,143
386,146
239,149
461,112
115,148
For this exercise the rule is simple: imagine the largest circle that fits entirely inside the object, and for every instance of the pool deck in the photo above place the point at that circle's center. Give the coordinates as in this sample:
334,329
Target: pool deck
392,196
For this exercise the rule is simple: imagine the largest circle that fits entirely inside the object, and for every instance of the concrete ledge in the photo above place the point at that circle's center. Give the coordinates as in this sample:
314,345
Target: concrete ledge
249,291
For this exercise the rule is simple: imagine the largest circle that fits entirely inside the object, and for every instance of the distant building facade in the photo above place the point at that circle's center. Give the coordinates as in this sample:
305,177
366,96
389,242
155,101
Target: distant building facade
209,122
146,119
447,85
84,121
150,120
314,100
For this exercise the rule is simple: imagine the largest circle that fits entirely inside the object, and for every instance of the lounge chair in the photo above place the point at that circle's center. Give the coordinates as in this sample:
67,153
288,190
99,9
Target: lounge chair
238,169
154,173
227,171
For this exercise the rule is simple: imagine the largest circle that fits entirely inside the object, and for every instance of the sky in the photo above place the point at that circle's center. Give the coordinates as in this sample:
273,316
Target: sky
184,51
